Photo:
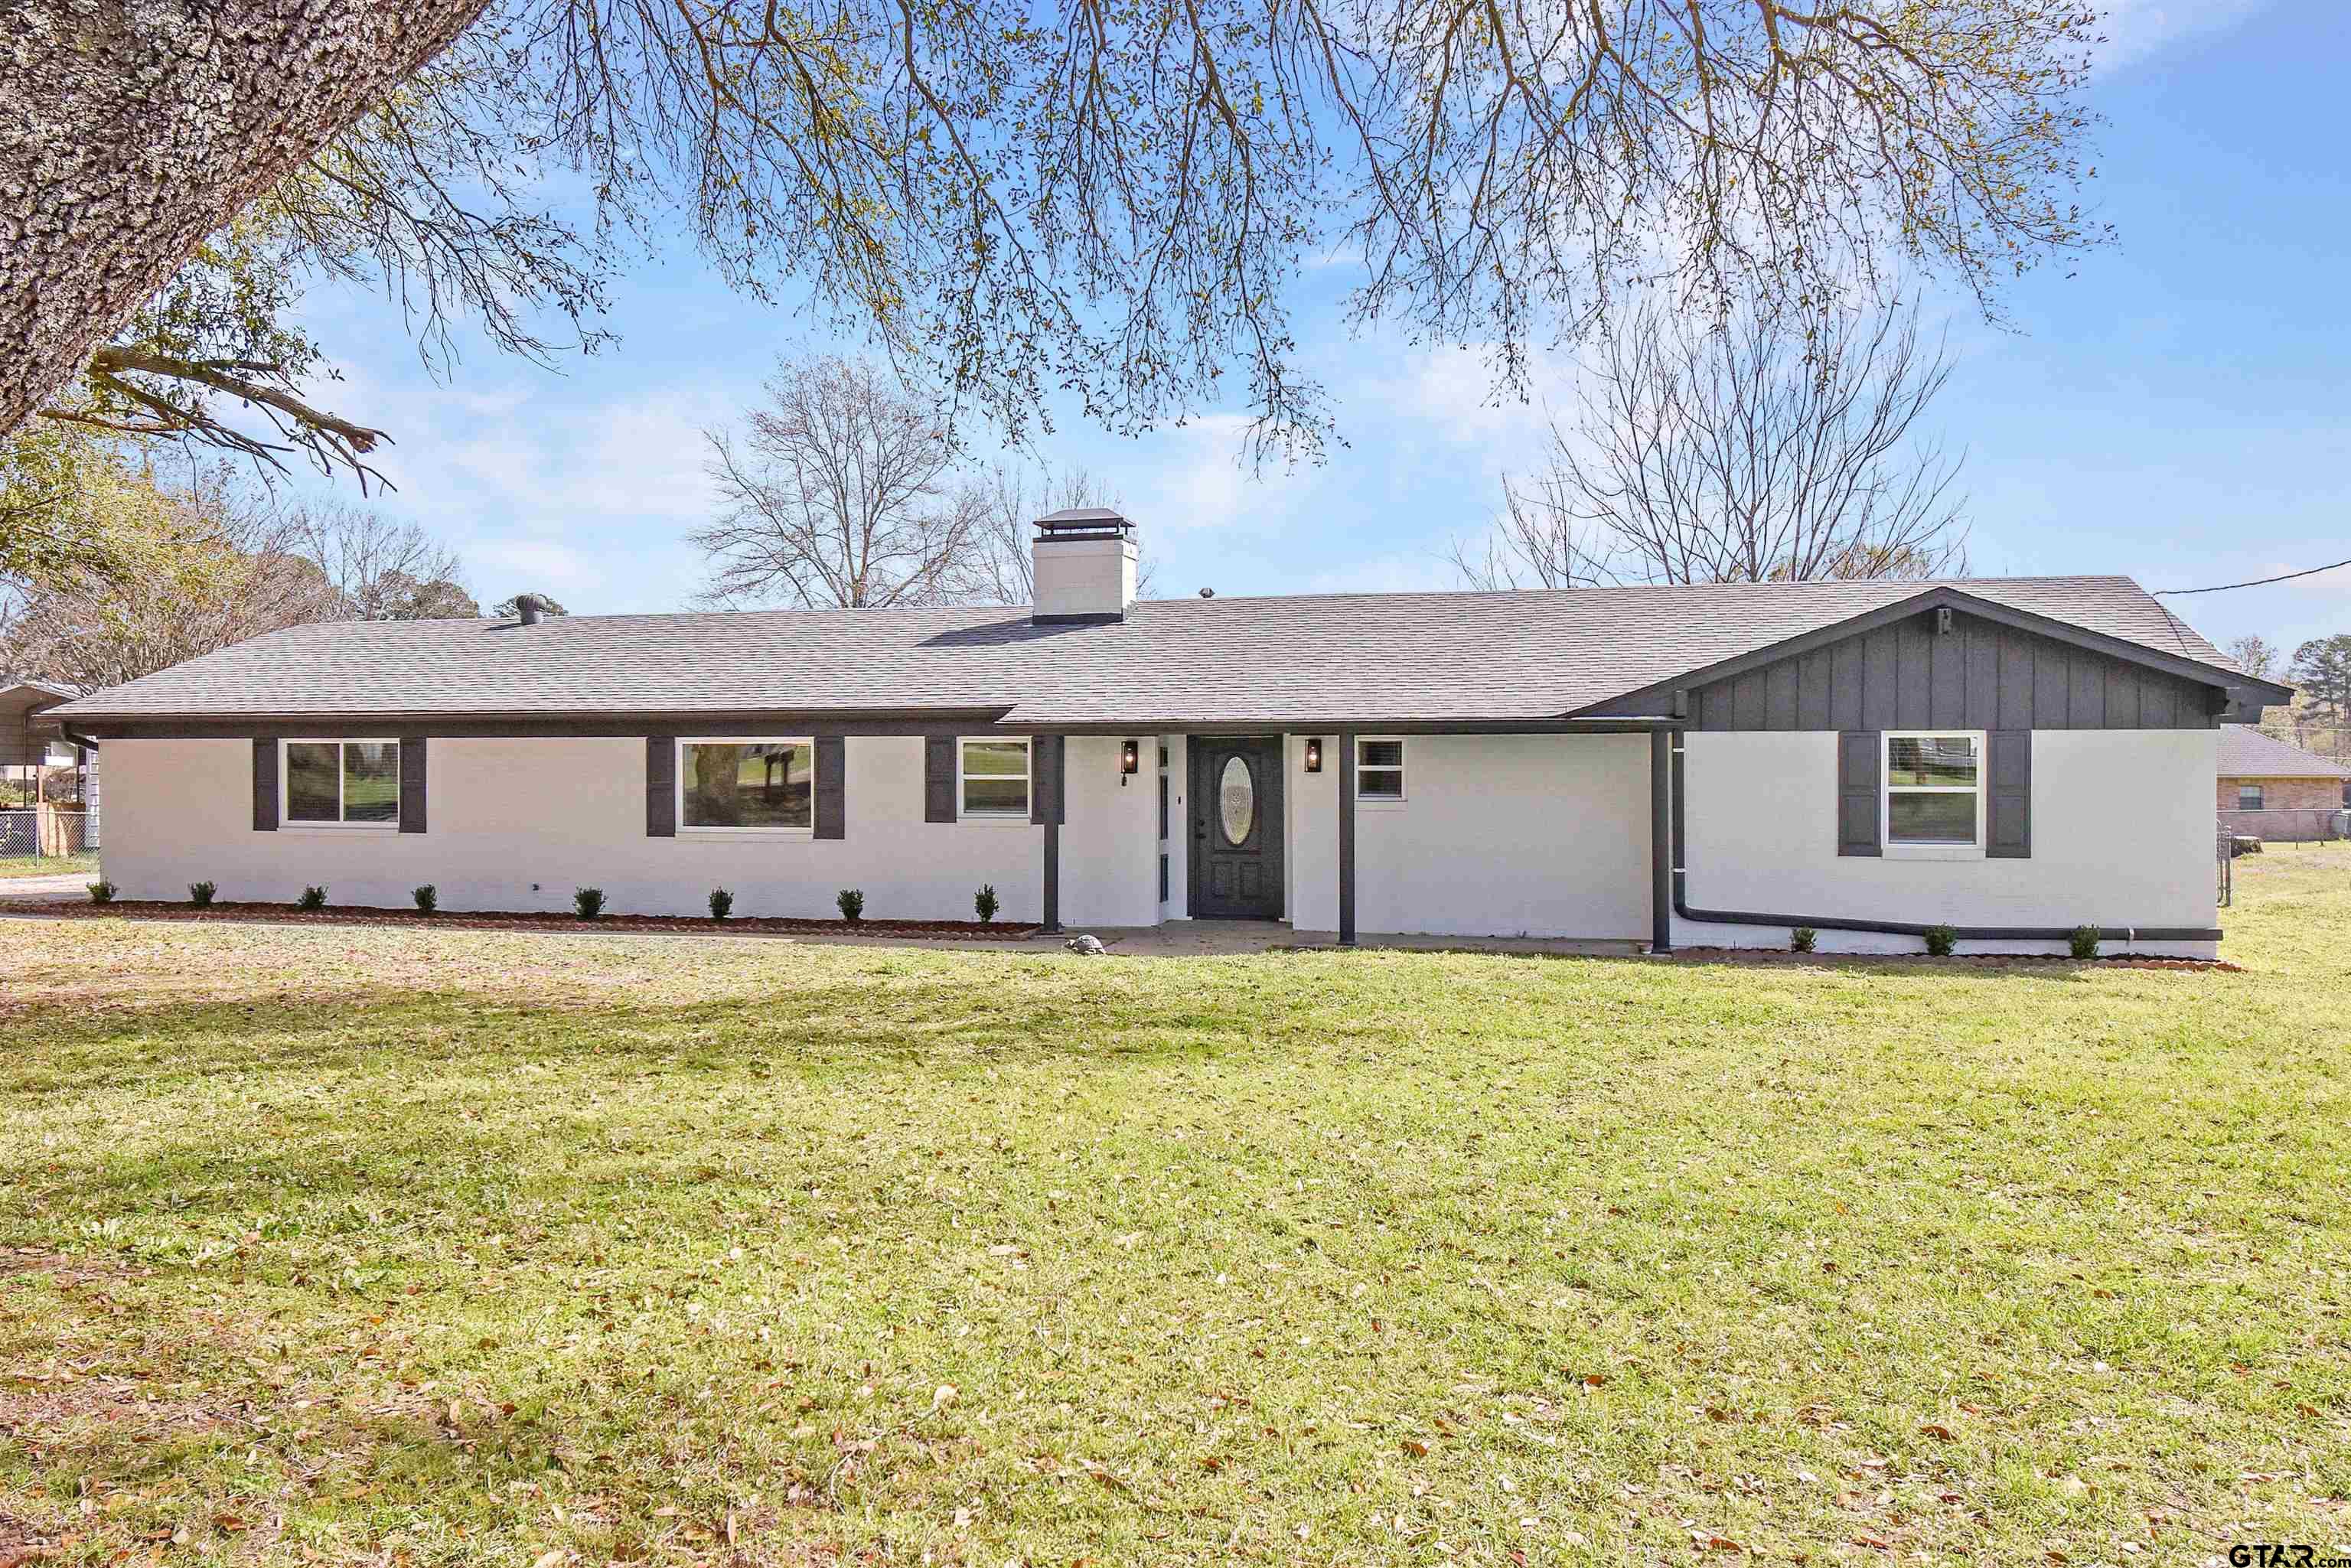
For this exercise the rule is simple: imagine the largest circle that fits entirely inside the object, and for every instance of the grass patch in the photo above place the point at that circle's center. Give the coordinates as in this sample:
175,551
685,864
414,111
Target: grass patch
15,866
473,1248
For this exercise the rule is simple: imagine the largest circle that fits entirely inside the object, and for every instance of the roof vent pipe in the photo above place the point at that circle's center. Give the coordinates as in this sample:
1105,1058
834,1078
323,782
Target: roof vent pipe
526,606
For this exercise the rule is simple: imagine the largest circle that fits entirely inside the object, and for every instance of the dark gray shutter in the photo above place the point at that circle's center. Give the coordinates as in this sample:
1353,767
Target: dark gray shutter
832,800
1047,761
2008,803
412,784
1860,753
661,787
265,786
939,778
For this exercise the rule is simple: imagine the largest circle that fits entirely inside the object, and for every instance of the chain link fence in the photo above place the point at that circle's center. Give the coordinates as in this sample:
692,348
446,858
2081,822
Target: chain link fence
2288,824
68,832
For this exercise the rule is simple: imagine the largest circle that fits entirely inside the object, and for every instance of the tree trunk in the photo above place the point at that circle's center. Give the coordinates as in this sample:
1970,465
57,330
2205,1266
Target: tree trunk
131,130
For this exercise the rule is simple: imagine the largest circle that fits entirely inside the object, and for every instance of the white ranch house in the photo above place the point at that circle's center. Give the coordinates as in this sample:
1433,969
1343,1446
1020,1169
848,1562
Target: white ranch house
1675,766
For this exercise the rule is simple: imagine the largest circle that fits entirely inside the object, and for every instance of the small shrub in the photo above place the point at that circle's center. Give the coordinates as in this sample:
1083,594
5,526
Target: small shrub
1802,939
588,902
101,891
983,902
312,898
722,904
200,894
2083,941
851,901
428,898
1940,940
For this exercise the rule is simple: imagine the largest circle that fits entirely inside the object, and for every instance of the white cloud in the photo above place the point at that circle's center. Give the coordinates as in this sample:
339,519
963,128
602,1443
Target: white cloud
2138,28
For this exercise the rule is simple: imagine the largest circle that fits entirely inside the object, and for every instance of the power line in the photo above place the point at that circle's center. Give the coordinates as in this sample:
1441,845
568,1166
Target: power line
2257,582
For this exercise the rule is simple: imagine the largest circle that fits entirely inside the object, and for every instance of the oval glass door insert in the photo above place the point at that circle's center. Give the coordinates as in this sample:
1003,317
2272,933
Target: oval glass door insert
1236,802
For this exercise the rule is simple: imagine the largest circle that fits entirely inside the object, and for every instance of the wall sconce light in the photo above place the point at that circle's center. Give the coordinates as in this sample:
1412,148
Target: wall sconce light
1129,758
1313,754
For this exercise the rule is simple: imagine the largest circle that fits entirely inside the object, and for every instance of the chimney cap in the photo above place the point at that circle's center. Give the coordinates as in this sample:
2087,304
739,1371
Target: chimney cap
1083,522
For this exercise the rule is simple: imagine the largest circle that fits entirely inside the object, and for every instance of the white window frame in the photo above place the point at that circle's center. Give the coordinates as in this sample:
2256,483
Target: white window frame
1403,772
677,787
285,820
1932,849
2260,797
1027,749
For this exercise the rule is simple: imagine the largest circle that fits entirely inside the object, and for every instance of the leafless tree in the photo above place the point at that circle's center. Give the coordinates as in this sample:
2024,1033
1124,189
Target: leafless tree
1780,446
840,492
1002,569
201,566
2256,656
383,570
1105,201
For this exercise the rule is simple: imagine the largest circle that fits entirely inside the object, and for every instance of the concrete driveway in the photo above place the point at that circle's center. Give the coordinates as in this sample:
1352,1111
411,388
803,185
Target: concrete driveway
45,889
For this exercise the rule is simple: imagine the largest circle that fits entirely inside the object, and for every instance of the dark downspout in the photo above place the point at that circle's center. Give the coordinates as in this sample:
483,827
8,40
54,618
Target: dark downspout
1052,747
1346,838
1661,840
1887,927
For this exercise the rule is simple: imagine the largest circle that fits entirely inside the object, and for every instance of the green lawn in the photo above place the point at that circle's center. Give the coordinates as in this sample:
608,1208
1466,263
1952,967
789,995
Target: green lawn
14,866
343,1245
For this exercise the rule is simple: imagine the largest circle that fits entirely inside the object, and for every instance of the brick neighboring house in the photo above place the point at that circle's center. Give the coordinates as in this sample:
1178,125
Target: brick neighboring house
2274,790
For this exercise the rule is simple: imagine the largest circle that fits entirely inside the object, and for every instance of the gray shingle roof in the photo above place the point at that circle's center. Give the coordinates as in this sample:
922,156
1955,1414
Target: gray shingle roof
1314,660
2246,753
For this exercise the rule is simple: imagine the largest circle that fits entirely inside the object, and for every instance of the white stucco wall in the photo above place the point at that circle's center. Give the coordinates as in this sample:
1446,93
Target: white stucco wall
518,824
1178,843
1499,835
2121,835
1109,845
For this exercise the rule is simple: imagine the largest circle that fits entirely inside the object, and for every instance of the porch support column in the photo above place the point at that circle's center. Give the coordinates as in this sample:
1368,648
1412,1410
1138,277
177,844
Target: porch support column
1661,840
1346,838
1049,781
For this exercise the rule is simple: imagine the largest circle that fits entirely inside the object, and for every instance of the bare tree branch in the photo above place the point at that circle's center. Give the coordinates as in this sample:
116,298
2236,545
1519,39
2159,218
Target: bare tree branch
839,492
1779,447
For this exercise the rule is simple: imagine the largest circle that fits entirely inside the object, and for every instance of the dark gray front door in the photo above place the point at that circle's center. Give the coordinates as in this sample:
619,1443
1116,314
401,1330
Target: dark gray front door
1236,826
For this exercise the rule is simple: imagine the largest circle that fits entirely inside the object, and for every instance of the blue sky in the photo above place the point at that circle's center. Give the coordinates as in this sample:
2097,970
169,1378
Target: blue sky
2175,409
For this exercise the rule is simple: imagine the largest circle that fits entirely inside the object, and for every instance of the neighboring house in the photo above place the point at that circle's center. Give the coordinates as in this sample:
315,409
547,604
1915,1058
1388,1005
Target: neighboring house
31,749
28,737
1675,765
2271,789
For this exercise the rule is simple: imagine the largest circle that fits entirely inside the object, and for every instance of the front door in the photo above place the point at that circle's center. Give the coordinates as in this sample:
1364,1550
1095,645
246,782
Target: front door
1236,826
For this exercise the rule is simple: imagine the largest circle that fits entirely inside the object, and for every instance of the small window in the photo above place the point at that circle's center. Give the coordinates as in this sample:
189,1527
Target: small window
756,784
994,777
1379,769
2249,797
1934,789
342,783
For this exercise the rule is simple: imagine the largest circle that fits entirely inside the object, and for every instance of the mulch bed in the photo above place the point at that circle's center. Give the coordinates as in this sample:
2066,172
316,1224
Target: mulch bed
2114,961
517,920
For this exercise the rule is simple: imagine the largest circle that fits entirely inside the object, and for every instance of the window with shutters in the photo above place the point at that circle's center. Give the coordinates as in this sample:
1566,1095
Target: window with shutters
752,784
339,784
1933,793
992,779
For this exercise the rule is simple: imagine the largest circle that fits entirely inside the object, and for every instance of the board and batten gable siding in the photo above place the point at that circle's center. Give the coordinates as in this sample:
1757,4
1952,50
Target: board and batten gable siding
1980,676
